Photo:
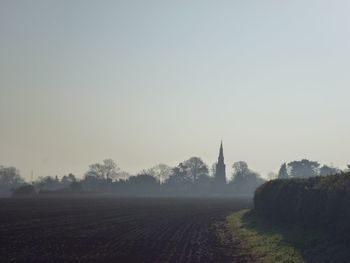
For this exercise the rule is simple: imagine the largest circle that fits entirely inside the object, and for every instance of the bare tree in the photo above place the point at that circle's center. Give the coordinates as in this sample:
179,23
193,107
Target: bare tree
9,176
108,170
160,171
111,169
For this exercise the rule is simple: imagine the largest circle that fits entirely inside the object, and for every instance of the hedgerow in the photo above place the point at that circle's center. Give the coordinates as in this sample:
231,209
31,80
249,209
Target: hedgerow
317,202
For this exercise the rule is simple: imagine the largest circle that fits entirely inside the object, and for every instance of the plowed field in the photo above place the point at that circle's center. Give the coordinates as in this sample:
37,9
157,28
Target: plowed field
114,230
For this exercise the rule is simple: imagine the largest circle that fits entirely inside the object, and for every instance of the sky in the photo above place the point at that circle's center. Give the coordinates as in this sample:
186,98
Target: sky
147,82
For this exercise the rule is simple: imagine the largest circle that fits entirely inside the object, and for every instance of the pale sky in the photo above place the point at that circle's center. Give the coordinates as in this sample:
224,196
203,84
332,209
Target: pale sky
147,82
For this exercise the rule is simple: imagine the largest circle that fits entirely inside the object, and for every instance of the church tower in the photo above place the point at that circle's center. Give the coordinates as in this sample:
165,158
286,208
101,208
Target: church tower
220,174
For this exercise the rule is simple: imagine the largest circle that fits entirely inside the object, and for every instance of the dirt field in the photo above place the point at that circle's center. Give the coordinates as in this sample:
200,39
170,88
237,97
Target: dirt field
114,230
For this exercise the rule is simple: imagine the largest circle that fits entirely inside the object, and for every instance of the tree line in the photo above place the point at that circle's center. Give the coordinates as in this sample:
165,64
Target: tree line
190,177
305,169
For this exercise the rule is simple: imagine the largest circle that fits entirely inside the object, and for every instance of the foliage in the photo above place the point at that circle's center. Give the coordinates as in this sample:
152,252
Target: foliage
160,171
179,181
9,176
142,184
68,179
48,183
196,168
263,246
24,190
189,178
269,242
108,170
327,170
244,181
75,186
9,179
283,173
316,202
304,169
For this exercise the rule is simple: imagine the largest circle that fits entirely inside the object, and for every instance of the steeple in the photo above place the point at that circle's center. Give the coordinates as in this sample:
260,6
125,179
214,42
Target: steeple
220,175
221,154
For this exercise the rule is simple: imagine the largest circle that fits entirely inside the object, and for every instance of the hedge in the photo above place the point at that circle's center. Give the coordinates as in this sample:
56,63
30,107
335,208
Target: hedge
316,202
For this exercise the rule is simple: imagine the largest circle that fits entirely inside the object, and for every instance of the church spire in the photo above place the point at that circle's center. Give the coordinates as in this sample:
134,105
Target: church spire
221,154
220,174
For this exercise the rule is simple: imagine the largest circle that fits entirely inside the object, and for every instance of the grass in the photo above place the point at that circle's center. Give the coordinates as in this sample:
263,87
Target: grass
269,243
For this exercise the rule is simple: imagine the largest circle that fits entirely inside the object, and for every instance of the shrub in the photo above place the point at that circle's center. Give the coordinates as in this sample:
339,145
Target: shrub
24,190
316,202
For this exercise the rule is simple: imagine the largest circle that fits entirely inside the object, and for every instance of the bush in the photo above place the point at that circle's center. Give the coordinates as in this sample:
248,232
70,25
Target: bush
75,187
317,202
24,190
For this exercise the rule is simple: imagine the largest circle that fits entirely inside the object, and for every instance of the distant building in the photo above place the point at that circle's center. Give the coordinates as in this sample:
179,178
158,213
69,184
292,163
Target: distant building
220,174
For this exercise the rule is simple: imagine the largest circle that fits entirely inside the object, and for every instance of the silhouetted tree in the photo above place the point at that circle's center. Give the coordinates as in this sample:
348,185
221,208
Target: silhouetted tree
10,177
107,170
348,168
68,179
304,168
143,179
213,169
143,184
48,183
240,171
196,168
24,191
179,179
92,182
244,181
123,175
160,171
283,172
327,170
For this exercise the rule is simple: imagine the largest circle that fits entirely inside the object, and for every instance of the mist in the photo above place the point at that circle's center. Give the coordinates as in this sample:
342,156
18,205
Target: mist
174,131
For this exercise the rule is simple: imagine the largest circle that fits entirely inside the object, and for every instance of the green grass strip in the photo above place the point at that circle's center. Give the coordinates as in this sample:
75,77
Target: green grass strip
264,244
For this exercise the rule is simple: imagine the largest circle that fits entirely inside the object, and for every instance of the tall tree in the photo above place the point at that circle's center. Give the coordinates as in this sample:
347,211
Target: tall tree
304,168
179,176
10,177
283,172
328,170
160,171
68,179
111,169
143,184
244,181
107,170
213,169
196,168
240,171
48,183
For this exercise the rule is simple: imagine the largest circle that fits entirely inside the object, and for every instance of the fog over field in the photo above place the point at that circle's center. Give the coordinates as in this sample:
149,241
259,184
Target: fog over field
175,131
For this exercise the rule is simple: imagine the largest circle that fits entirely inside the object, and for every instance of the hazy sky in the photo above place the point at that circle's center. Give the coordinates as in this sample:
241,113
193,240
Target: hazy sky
147,82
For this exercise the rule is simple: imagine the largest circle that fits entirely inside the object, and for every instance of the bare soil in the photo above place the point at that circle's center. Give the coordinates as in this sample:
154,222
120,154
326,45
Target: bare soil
116,230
